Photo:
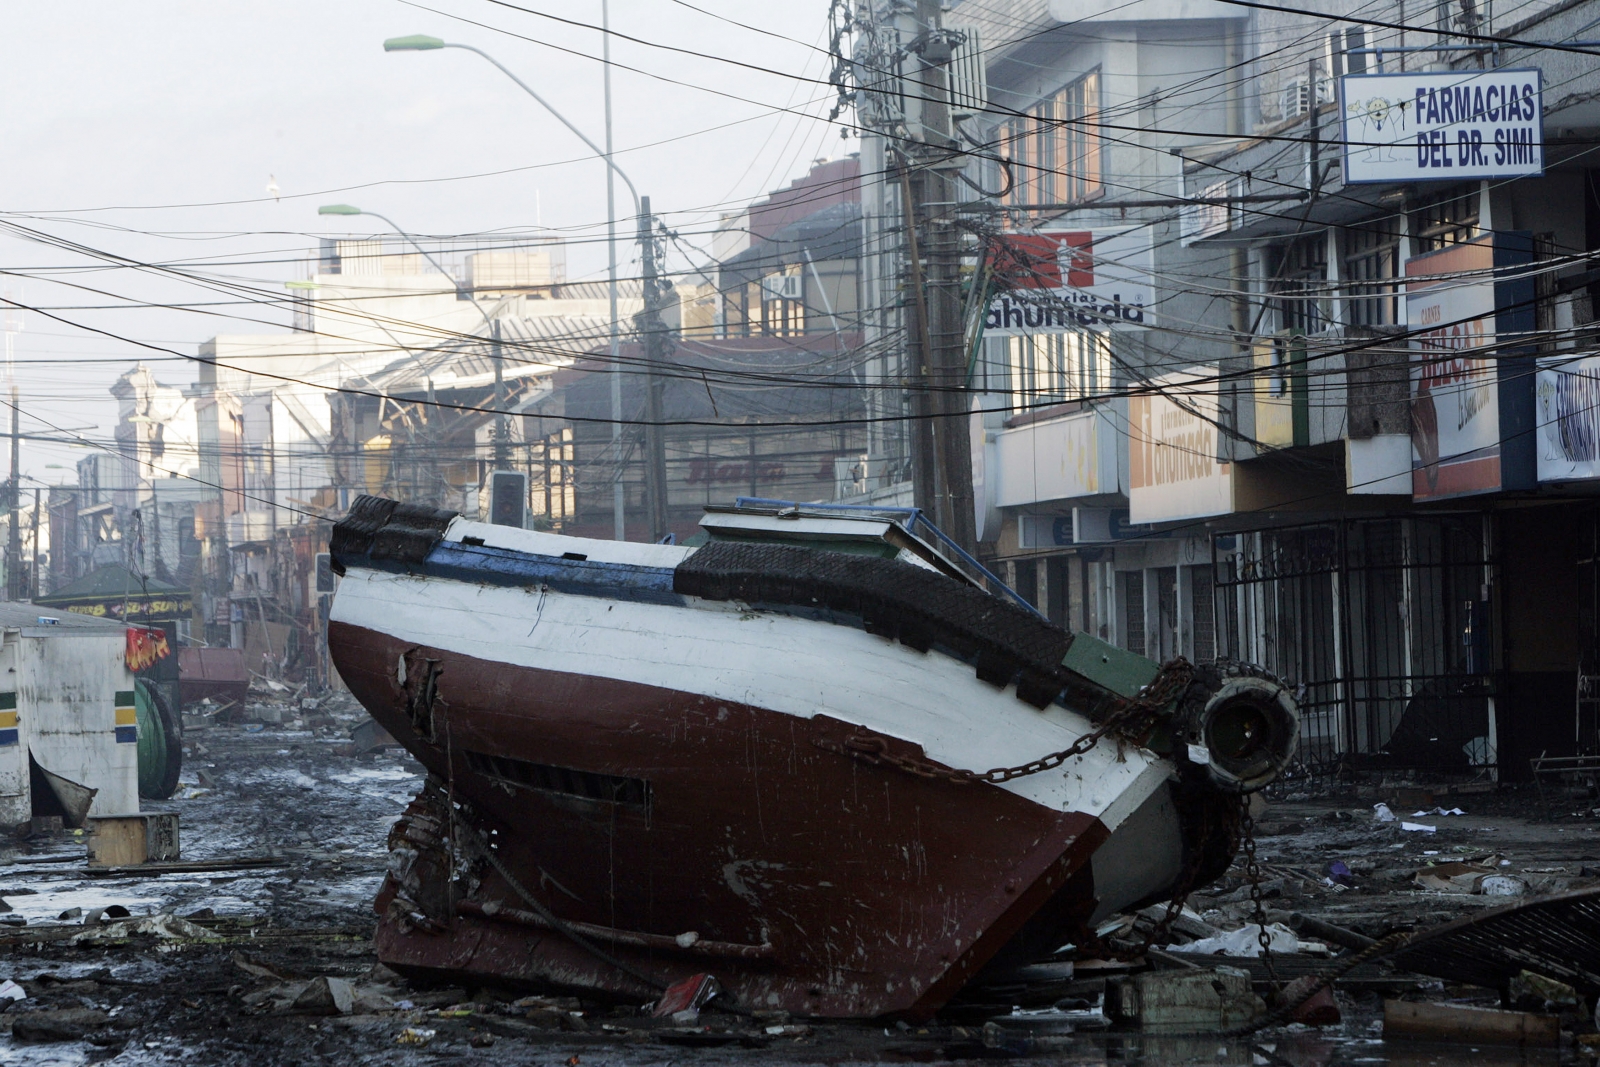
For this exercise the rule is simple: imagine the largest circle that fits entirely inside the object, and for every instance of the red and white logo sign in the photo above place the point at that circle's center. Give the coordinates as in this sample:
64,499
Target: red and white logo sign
1064,280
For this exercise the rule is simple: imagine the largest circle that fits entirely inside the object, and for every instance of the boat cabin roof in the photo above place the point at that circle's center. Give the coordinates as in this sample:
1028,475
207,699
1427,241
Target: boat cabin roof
862,531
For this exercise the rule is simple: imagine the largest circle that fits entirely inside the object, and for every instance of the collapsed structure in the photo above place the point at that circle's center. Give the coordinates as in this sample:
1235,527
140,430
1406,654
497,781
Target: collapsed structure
810,756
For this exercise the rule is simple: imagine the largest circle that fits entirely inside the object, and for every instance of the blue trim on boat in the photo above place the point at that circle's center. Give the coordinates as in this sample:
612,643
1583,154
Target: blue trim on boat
127,735
8,737
488,565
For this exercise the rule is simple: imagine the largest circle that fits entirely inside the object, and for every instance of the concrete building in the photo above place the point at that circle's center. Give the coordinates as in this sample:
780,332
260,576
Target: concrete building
1286,469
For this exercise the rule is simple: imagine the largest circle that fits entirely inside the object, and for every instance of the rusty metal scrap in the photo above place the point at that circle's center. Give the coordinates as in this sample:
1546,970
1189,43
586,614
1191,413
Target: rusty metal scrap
1557,936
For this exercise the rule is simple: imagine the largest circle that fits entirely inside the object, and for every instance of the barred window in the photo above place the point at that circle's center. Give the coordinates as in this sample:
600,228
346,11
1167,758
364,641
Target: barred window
1371,265
1302,278
1055,147
1447,218
1052,368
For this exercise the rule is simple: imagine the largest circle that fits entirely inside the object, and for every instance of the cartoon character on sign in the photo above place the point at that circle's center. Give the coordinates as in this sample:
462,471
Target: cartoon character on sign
1375,114
1075,260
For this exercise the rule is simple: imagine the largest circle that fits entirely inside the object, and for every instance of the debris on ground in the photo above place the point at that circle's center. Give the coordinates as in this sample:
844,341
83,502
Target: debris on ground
263,932
1469,1024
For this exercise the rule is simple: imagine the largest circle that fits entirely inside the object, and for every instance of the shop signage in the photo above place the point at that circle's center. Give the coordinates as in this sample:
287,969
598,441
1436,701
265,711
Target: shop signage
176,607
1071,280
1450,125
1569,418
1173,471
1469,394
1057,459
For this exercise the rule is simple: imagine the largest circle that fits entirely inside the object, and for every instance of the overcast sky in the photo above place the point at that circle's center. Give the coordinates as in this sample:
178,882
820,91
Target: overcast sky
113,111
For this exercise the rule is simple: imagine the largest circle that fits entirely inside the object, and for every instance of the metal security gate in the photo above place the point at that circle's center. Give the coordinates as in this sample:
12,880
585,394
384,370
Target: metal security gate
1379,624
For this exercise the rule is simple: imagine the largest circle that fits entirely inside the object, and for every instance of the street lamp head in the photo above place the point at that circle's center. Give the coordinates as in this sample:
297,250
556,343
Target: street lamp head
417,42
338,209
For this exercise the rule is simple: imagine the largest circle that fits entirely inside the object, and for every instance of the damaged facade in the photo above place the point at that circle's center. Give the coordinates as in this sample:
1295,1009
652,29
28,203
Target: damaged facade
1255,485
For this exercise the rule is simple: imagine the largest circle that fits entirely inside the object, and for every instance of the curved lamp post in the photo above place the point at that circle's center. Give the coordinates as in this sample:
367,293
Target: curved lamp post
502,428
423,43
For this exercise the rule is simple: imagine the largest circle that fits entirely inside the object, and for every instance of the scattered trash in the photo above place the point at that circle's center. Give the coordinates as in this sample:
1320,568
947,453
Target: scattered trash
1417,827
1469,1025
1502,885
1453,877
1491,947
1542,993
1381,813
1437,811
1339,874
415,1035
1196,1000
11,991
67,1024
1244,942
368,736
326,996
129,840
256,970
1319,1009
1045,1021
164,926
110,911
691,994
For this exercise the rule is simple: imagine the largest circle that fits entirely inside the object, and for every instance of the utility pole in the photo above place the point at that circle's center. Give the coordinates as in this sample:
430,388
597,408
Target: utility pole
936,159
502,427
14,503
35,590
656,344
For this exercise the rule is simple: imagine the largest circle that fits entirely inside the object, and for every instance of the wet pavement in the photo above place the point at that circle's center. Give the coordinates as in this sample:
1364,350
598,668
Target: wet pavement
283,849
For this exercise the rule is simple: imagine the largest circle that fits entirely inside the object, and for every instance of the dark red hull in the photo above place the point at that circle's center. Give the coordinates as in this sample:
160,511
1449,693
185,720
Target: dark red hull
813,883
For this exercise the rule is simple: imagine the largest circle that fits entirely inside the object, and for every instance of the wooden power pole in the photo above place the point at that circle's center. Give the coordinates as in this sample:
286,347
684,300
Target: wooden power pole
657,346
941,431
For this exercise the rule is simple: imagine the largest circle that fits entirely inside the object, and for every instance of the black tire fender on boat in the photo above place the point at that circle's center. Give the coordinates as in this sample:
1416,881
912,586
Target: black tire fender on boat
1236,728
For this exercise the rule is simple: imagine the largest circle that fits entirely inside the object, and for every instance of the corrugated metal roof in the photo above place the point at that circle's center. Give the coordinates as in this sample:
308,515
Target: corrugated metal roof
15,614
112,580
531,345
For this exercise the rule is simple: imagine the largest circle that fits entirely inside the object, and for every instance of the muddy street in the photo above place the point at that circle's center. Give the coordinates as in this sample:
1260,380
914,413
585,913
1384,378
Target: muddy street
255,947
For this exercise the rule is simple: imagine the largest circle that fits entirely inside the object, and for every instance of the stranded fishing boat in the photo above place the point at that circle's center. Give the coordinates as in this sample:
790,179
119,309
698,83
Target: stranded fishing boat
810,757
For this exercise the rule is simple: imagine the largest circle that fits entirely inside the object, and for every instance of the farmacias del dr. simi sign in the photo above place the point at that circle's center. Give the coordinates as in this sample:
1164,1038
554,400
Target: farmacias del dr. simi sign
1442,126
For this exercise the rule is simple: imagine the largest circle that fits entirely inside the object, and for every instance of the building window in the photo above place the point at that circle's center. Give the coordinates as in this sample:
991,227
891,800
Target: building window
1448,218
1055,147
1301,285
1053,368
1133,611
1027,585
552,460
783,309
1371,265
1202,601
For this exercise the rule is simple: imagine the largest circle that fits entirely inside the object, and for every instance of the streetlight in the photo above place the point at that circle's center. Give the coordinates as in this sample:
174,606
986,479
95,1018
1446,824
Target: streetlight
351,209
502,432
422,43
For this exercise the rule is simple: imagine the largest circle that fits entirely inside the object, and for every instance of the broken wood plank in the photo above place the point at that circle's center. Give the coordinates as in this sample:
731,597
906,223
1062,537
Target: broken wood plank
1468,1025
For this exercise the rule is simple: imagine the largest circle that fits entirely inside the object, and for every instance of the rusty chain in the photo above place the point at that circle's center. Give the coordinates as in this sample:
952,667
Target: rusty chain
1174,678
1130,720
1252,874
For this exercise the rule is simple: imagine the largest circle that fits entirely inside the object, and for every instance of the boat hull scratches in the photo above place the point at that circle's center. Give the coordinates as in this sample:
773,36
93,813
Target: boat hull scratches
861,890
